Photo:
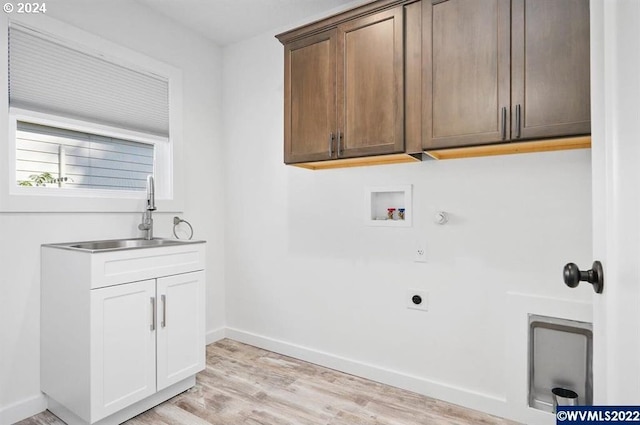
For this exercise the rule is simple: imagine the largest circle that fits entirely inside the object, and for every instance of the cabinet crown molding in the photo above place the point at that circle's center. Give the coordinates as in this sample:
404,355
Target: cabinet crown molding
339,18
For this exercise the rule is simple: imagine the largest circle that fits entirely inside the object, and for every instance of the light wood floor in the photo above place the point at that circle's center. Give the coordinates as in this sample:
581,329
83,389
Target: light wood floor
246,385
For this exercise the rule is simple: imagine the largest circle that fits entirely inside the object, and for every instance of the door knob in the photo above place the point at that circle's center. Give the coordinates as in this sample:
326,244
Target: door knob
573,276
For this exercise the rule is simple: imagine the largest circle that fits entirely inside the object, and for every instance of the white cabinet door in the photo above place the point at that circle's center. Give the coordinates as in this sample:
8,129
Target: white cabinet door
180,339
123,346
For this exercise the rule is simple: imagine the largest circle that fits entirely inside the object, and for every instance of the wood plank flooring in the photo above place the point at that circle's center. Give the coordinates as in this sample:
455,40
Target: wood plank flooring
247,385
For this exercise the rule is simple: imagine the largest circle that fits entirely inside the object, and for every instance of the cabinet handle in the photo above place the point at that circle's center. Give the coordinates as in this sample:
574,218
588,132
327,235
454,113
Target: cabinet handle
163,298
339,151
504,123
153,314
518,121
331,139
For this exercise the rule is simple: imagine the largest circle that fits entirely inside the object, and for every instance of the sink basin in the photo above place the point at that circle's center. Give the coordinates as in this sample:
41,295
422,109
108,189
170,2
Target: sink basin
121,244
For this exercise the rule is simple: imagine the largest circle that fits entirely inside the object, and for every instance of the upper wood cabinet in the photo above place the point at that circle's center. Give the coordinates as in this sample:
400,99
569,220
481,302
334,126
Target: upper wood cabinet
393,78
310,98
370,85
503,70
467,100
344,89
550,68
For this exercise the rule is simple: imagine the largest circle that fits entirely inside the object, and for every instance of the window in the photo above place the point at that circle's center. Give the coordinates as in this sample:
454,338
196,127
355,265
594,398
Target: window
87,123
53,157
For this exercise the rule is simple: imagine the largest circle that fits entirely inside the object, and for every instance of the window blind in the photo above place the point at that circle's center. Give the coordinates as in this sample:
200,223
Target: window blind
49,77
85,160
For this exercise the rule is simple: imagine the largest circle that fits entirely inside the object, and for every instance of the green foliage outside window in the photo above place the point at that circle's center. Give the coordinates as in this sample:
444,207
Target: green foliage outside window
41,180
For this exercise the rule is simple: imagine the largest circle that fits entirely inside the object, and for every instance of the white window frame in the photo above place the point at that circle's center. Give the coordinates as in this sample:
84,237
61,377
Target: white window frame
168,151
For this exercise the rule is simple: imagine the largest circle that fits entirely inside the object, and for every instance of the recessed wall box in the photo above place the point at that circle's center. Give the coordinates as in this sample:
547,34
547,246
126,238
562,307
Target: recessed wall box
380,200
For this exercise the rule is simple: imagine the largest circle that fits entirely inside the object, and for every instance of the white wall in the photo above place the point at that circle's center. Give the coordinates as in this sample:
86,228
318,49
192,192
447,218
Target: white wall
138,28
305,277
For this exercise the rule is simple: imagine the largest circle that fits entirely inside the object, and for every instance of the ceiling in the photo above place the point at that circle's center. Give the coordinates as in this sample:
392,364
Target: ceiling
229,21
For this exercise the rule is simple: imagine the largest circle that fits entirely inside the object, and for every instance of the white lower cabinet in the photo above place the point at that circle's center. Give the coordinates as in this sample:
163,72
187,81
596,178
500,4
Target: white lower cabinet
180,336
145,337
111,352
123,346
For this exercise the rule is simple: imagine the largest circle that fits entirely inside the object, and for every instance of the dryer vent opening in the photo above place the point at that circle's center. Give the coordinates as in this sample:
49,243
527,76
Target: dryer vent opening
560,357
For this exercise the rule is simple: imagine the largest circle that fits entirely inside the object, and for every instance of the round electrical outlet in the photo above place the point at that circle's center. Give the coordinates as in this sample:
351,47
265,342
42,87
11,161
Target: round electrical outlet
417,299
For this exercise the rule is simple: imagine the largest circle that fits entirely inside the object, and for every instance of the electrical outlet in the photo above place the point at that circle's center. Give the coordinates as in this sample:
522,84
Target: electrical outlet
420,254
417,299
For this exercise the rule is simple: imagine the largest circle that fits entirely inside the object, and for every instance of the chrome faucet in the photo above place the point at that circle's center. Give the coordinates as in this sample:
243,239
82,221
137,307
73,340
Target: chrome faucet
147,218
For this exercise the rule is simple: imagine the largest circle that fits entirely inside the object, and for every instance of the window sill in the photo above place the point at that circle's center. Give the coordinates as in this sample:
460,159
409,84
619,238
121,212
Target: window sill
48,203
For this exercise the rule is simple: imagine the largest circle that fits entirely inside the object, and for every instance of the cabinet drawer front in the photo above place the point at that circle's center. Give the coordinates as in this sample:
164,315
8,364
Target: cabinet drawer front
134,265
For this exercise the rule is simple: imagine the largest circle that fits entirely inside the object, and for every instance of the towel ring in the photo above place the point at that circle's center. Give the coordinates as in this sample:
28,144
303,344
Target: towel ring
176,222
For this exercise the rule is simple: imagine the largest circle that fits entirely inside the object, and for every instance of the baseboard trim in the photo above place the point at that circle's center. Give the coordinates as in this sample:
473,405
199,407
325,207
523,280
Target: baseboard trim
488,403
23,409
215,335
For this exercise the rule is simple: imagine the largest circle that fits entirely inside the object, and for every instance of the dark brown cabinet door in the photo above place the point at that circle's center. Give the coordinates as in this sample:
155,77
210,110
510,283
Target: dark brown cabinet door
550,65
466,85
370,75
310,98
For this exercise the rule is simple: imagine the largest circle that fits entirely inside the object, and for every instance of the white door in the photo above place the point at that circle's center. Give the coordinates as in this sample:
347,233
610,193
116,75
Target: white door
123,346
180,339
615,94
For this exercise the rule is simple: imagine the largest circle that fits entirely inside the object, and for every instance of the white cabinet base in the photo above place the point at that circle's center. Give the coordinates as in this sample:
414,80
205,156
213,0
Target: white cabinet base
129,412
106,343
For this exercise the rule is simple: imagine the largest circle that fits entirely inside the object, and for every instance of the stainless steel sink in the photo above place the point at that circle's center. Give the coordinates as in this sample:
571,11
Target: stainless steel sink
120,244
